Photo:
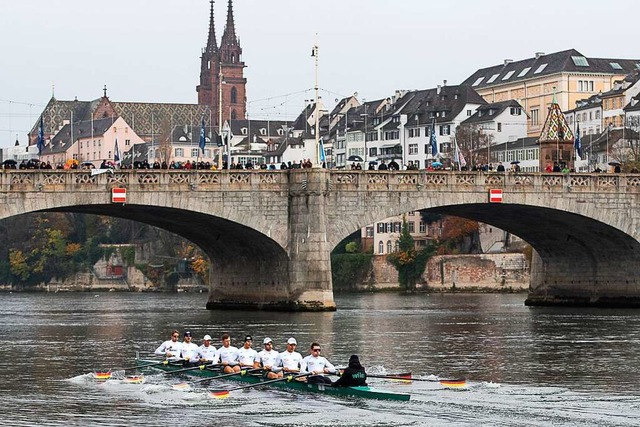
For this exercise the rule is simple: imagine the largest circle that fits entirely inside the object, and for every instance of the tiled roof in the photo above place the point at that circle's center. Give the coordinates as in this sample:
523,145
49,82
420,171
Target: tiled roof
543,65
586,104
483,113
556,128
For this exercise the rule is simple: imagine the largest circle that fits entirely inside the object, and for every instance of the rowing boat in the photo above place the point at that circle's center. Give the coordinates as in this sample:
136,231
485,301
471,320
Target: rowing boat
364,392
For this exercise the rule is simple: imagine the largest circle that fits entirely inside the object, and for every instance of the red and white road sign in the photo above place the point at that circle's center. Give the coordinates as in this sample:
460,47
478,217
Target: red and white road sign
118,195
495,196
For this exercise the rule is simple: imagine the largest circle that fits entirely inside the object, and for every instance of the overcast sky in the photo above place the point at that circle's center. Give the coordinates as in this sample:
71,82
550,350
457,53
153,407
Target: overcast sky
149,50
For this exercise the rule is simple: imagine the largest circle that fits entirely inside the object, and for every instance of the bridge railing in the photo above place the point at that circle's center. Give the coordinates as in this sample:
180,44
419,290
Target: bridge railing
447,180
136,179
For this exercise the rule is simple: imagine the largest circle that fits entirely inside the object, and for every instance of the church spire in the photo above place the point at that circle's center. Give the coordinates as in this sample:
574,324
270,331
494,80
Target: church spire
229,36
212,43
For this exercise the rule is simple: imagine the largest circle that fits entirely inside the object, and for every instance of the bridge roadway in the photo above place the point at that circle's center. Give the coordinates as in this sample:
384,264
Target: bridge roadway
269,233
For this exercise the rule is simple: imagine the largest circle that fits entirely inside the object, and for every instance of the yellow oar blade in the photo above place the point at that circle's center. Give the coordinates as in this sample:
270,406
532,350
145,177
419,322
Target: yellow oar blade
223,394
457,383
181,386
102,376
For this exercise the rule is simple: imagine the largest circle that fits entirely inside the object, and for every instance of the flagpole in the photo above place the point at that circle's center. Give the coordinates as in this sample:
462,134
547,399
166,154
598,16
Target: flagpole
317,112
220,77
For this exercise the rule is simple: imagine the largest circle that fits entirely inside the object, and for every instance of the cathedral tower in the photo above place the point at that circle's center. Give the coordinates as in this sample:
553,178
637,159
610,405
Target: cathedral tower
226,62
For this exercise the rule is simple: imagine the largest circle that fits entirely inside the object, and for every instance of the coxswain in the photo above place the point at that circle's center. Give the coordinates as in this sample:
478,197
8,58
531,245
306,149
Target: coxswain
267,359
354,375
170,349
228,355
207,353
246,354
316,365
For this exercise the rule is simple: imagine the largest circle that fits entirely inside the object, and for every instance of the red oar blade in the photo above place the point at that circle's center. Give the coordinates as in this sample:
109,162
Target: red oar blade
453,383
220,394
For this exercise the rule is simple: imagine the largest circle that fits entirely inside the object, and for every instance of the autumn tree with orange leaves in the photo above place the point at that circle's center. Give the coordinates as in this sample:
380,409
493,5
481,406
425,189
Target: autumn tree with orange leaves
454,232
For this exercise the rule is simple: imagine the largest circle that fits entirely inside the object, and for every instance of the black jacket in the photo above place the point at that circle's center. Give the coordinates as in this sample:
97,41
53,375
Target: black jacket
354,375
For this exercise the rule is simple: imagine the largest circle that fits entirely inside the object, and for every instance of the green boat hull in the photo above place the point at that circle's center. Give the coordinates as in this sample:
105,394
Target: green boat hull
364,392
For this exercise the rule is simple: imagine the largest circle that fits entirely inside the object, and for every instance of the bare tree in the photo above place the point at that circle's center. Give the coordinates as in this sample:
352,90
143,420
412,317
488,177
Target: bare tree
164,149
474,144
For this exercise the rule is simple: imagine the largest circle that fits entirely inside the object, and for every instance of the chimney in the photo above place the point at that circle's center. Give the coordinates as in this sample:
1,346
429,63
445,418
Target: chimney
438,90
539,54
444,83
508,61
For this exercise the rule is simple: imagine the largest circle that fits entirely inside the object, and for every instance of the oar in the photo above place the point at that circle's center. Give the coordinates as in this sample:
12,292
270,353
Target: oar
192,368
105,375
447,382
184,385
220,394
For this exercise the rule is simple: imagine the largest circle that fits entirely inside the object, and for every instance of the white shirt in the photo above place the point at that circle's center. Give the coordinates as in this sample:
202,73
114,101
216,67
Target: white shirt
169,349
208,353
246,356
290,361
316,364
267,359
190,351
228,355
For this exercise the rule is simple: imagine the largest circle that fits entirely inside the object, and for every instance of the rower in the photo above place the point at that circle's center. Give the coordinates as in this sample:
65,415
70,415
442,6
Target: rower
290,359
354,375
317,366
228,355
171,348
246,355
206,352
189,350
267,359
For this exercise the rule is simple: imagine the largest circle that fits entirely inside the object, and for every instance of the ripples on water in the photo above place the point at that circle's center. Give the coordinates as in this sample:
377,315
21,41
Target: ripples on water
526,366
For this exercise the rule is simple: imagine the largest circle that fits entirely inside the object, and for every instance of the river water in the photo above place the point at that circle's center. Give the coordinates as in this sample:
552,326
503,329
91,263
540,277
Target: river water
525,366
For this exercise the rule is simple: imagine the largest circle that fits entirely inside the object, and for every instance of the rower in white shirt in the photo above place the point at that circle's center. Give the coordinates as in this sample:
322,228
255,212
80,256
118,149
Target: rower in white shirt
267,359
290,359
170,349
246,355
207,353
189,350
228,355
317,365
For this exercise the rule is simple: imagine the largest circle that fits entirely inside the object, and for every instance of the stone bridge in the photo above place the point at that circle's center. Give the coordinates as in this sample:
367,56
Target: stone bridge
269,233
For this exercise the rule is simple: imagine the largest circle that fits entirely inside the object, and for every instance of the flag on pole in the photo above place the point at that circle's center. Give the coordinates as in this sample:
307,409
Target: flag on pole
40,143
578,144
321,148
458,157
116,152
434,142
203,139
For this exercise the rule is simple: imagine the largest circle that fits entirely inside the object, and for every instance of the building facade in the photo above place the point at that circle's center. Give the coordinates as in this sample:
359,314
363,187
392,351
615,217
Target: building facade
533,82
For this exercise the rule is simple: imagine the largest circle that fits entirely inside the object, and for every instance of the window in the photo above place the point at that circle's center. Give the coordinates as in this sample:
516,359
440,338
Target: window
580,61
369,231
499,127
478,81
234,95
389,246
412,226
597,114
381,247
534,117
413,148
207,153
194,152
615,66
244,131
179,152
508,75
469,113
127,142
423,227
109,156
380,227
397,227
523,72
515,111
493,78
373,152
540,69
445,130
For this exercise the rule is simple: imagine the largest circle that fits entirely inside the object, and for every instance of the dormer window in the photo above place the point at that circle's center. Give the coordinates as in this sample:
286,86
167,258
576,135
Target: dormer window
443,114
244,131
396,119
491,112
263,131
280,132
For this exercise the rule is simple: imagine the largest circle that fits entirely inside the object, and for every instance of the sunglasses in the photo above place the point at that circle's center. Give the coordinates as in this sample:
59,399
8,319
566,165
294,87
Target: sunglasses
316,349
